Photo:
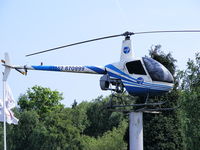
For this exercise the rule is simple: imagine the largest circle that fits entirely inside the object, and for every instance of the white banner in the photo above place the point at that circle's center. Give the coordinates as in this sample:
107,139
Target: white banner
10,103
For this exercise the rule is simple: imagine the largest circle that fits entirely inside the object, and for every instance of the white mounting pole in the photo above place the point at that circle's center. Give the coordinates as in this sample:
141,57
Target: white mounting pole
136,130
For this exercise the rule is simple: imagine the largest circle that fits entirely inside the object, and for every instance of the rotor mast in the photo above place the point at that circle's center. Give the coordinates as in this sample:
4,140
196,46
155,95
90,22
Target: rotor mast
126,50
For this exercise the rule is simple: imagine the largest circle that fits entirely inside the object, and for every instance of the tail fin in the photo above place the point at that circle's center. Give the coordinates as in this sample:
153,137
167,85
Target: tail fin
7,67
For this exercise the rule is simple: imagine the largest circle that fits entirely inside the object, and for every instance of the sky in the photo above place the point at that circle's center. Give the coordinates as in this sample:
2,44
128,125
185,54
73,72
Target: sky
27,26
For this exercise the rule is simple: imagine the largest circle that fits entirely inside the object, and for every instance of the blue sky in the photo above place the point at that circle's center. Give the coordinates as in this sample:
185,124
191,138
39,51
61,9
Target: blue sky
27,26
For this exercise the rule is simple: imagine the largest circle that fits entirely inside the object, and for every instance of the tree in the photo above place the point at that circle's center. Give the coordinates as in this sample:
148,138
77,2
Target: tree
40,99
164,131
79,116
110,140
1,134
190,79
100,119
44,123
61,132
55,132
21,134
166,59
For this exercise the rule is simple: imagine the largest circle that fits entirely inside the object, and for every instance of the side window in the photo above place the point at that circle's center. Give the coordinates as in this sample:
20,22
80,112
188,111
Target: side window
135,67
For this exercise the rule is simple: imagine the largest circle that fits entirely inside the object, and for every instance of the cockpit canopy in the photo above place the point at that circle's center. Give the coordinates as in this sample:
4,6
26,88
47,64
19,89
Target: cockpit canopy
157,71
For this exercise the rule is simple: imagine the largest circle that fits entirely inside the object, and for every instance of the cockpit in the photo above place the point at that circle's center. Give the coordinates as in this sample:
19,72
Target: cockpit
155,69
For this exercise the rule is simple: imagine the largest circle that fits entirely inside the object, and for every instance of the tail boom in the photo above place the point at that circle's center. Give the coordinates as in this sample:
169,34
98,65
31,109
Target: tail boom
73,69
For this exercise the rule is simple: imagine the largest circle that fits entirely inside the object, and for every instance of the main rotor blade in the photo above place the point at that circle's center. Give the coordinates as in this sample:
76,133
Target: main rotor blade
170,31
126,34
56,48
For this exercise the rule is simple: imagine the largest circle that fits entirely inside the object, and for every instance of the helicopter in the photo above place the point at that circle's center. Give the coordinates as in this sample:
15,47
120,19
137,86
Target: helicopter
138,76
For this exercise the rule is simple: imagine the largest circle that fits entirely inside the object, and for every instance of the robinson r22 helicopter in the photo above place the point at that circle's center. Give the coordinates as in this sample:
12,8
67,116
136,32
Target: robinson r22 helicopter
138,76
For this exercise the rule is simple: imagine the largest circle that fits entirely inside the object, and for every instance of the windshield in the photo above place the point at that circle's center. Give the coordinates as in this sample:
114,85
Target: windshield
135,67
157,71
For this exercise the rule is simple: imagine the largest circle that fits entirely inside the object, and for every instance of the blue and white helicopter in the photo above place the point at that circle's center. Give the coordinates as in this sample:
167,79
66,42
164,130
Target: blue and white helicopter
138,76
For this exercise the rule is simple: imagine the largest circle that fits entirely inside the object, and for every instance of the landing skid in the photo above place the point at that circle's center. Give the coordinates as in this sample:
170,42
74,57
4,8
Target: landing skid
144,104
147,107
155,110
144,109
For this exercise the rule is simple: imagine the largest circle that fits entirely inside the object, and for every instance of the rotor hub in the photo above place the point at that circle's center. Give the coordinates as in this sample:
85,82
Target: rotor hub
127,34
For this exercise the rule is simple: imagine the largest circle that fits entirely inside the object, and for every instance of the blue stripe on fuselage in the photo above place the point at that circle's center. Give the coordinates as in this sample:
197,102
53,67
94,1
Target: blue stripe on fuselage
131,82
143,91
119,71
96,69
120,77
47,68
152,86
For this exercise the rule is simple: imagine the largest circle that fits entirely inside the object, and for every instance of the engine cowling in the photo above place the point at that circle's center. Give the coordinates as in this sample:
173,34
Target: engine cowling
105,82
113,84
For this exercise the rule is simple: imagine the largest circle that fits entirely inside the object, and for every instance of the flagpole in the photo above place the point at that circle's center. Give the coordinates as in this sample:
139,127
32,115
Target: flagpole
4,115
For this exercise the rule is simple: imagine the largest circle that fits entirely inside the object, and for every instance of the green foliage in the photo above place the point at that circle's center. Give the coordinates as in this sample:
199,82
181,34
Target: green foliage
40,99
100,119
164,131
79,116
46,124
190,79
1,134
22,133
166,59
60,131
191,111
56,132
111,140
